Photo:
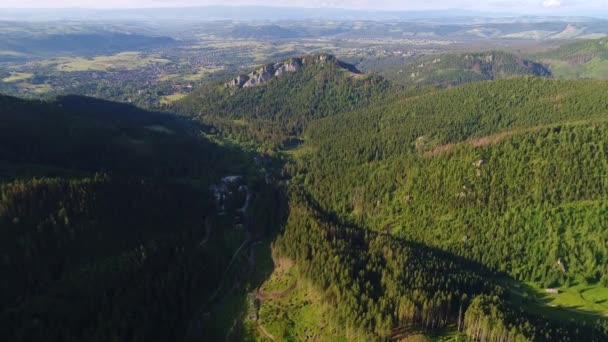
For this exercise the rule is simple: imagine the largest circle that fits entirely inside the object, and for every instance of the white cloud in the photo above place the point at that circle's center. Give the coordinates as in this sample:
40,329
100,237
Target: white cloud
525,6
552,4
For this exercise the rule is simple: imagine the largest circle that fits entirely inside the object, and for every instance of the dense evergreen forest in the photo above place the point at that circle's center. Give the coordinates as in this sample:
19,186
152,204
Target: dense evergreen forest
275,113
453,69
515,158
406,209
108,229
585,59
510,174
83,135
380,283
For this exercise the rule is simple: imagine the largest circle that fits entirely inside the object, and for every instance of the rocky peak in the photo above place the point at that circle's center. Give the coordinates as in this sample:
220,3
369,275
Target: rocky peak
266,73
273,70
319,59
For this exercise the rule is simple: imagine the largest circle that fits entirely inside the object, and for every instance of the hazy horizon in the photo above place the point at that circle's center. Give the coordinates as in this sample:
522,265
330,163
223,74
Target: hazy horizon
536,7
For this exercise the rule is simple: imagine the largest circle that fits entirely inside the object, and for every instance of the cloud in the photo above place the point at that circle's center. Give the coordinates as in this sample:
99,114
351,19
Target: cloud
552,4
519,6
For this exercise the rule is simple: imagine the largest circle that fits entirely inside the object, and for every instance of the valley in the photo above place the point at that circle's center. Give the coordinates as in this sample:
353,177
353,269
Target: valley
422,179
163,62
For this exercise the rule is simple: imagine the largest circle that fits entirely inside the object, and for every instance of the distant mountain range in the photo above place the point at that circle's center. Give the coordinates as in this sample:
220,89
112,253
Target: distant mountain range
256,13
469,212
453,69
581,59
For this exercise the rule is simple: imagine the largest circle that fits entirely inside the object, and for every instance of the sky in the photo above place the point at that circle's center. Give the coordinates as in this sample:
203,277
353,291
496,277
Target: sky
521,6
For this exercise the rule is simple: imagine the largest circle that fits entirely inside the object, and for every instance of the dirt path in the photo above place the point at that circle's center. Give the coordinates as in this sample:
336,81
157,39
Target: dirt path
247,201
245,244
226,271
263,296
275,295
265,332
207,235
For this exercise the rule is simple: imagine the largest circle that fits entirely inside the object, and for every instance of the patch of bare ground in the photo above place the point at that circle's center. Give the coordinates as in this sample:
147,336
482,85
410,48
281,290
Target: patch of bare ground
415,338
439,149
275,295
281,267
266,333
580,59
491,139
282,264
499,137
407,333
477,142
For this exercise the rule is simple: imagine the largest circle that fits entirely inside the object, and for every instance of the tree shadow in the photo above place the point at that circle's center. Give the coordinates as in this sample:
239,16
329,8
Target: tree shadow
539,302
265,219
512,287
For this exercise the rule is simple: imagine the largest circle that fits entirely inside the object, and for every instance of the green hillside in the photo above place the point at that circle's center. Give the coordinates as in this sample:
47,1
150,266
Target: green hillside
509,174
20,41
108,229
453,69
587,59
276,111
383,287
83,135
504,176
457,168
477,212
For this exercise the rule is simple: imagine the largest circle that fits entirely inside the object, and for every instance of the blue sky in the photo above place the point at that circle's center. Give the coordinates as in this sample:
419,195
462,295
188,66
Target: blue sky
521,6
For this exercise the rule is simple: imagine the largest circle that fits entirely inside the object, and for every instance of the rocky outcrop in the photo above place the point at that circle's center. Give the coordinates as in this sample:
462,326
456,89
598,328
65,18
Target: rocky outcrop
266,73
260,76
270,71
239,81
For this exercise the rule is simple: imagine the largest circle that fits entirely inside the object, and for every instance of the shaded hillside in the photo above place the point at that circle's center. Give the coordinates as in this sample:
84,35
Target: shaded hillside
407,210
475,170
27,40
78,134
509,174
281,104
453,69
586,59
382,287
108,227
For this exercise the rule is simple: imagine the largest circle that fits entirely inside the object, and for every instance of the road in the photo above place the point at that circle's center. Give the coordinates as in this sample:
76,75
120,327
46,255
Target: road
265,332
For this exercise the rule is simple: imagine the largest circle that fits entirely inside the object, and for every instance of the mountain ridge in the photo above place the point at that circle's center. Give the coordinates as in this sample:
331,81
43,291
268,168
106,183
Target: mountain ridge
454,69
274,103
581,59
275,70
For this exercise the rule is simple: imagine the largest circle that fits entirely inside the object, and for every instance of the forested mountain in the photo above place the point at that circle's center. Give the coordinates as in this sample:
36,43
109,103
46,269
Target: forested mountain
587,59
281,105
383,286
26,40
465,168
108,229
405,209
453,69
505,177
77,135
509,174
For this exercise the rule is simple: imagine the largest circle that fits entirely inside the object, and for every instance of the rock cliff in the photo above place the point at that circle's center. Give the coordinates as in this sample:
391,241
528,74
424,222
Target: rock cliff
270,71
